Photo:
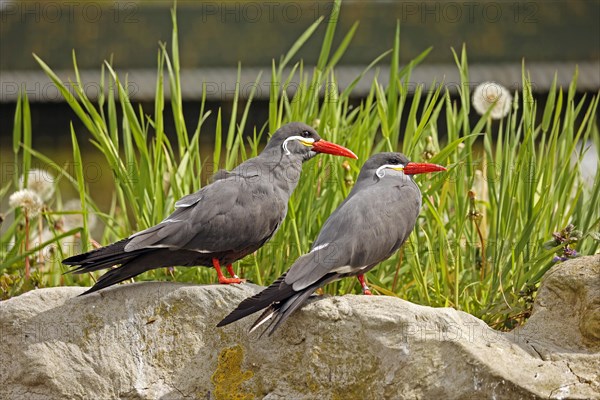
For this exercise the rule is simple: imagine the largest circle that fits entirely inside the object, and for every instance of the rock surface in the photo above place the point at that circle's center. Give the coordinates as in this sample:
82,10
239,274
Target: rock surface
159,341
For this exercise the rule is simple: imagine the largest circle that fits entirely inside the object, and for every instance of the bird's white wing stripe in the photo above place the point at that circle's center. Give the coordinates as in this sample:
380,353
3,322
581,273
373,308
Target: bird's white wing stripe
170,220
347,269
181,204
173,247
319,247
344,269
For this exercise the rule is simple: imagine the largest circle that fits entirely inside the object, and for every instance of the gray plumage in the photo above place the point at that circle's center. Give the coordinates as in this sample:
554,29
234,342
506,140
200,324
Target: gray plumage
368,227
225,220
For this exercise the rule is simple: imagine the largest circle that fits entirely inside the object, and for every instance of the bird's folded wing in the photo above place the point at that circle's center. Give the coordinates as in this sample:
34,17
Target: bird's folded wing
224,217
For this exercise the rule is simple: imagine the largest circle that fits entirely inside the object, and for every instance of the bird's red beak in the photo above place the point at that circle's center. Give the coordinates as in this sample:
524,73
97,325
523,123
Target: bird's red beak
413,168
323,146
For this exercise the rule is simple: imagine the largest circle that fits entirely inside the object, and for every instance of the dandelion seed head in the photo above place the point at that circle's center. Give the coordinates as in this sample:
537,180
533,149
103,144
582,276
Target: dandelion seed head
39,181
49,251
71,221
492,95
27,199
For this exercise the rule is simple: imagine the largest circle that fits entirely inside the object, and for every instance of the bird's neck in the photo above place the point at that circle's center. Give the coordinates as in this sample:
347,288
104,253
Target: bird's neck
371,179
282,170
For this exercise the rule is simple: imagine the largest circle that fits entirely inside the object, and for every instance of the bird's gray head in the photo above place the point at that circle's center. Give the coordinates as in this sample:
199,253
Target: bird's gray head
394,165
300,141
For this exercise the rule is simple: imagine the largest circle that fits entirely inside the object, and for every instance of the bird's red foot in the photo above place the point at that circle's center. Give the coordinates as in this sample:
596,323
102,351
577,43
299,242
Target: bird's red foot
231,271
365,288
222,279
228,281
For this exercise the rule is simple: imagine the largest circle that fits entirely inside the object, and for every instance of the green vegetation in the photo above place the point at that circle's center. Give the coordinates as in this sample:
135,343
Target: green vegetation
480,244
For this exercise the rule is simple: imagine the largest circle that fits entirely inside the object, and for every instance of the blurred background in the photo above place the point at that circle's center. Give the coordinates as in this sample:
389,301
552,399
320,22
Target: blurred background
550,36
503,237
214,36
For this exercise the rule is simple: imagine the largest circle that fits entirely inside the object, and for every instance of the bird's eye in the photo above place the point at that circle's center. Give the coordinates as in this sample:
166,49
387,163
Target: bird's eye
305,134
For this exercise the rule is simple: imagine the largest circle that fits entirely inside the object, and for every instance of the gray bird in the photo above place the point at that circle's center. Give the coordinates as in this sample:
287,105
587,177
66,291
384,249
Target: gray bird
367,228
222,222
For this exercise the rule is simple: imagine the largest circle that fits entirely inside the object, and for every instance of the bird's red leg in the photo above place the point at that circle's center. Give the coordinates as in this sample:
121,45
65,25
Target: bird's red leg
231,271
222,278
365,288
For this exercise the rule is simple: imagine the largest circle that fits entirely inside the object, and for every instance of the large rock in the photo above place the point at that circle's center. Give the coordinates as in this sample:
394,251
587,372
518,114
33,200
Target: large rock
159,341
566,313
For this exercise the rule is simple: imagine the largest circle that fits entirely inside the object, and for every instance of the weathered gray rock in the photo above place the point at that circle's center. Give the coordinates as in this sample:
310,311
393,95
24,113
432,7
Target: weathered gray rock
159,341
566,313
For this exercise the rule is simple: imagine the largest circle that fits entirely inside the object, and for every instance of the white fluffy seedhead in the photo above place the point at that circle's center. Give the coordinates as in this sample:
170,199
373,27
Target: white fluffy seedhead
28,200
41,182
492,95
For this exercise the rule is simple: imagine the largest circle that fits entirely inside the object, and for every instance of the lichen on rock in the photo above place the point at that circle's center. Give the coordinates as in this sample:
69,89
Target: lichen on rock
229,377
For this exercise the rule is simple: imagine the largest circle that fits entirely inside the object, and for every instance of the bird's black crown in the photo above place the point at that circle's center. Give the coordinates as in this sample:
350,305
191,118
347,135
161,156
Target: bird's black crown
380,159
295,129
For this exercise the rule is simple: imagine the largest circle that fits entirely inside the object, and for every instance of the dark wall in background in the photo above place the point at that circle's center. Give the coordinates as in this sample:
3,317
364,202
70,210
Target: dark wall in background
219,34
222,33
51,122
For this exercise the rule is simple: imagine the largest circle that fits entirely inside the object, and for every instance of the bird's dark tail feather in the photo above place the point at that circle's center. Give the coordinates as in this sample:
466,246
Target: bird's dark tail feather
277,291
132,263
279,312
279,301
133,267
101,258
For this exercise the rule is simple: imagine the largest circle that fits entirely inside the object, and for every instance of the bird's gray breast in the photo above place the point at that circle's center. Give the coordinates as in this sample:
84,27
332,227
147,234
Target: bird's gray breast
371,226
